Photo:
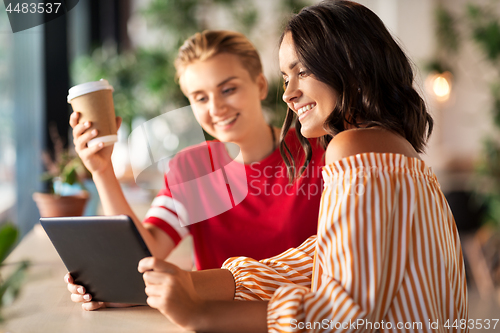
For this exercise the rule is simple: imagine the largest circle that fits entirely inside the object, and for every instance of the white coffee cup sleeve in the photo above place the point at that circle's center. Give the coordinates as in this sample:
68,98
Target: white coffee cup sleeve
107,140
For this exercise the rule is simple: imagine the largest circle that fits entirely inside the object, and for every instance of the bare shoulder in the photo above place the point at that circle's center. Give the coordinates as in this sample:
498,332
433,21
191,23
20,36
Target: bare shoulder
367,140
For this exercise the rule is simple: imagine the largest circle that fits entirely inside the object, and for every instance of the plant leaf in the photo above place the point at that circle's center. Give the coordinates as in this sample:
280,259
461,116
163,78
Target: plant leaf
8,237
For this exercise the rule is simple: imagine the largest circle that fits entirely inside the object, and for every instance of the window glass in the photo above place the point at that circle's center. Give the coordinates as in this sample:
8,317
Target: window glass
7,144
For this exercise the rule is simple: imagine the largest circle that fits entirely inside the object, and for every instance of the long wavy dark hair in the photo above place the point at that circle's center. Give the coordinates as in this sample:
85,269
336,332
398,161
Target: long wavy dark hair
346,46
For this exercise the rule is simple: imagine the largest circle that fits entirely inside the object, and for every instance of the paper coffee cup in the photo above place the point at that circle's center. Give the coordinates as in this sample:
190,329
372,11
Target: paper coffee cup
94,102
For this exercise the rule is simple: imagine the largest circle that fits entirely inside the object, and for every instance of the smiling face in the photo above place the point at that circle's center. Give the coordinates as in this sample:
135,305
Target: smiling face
312,100
224,97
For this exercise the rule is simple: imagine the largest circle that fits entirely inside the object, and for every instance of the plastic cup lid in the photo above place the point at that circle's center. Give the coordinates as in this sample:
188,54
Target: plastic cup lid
88,87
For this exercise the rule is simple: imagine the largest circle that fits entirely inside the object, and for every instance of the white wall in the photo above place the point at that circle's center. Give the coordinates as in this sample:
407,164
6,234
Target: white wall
463,121
467,119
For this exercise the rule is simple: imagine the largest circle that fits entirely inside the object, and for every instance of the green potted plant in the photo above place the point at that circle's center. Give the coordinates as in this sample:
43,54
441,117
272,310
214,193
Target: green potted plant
64,171
10,284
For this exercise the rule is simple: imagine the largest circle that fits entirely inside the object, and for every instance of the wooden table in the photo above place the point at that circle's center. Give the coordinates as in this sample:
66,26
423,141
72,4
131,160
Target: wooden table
44,304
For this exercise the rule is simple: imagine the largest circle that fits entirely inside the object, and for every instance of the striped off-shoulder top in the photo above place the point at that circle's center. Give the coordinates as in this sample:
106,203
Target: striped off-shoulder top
387,256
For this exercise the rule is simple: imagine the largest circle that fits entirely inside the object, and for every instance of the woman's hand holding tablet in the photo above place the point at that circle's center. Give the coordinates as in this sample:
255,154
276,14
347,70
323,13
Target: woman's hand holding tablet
79,295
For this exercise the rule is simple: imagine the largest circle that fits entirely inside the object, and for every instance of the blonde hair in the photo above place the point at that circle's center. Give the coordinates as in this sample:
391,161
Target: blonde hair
209,43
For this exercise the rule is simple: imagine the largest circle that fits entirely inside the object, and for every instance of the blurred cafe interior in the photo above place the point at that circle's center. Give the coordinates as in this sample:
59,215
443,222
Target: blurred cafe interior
454,46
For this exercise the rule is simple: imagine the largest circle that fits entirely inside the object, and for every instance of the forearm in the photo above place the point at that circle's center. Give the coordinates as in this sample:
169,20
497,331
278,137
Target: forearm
219,312
111,195
233,316
113,202
214,284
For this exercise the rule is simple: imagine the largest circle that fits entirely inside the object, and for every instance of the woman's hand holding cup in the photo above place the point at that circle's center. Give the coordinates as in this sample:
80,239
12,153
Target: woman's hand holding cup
96,158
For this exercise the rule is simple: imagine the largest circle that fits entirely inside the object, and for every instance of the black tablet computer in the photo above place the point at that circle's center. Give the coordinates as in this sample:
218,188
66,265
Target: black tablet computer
102,254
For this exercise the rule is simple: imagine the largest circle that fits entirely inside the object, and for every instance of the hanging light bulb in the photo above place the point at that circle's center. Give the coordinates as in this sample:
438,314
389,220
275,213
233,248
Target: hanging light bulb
439,85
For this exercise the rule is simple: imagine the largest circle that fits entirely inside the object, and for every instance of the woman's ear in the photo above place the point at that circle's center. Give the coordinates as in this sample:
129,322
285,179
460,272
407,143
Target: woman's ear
263,86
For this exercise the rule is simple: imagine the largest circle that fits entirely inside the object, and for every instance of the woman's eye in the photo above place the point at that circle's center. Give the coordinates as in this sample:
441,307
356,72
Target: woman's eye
303,74
201,99
285,84
228,90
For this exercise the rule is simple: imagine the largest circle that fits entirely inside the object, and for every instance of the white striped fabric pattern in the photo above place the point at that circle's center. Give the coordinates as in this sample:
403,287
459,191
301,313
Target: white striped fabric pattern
173,205
387,256
169,210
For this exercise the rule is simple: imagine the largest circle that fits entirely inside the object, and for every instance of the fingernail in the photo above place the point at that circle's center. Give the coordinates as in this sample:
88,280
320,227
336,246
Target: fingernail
101,144
86,297
87,124
94,132
66,278
80,290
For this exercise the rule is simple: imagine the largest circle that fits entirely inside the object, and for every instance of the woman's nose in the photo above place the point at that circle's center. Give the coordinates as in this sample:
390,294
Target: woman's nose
217,107
291,92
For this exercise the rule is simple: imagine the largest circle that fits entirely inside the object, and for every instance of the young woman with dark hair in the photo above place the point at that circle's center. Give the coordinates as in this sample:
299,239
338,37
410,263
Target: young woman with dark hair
367,69
387,255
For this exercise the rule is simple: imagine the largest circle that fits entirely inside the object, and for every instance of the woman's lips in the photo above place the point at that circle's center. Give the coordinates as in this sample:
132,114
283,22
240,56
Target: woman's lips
303,111
228,122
